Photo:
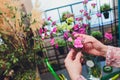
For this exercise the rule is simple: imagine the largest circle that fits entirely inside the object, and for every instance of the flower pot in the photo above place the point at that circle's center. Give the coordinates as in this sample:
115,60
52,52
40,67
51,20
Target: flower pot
106,14
61,50
40,53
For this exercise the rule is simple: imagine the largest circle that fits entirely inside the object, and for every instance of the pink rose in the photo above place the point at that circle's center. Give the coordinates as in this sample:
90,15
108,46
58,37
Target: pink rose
108,36
78,43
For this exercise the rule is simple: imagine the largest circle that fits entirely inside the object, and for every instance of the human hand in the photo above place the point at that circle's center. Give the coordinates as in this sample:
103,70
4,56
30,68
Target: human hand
92,45
73,64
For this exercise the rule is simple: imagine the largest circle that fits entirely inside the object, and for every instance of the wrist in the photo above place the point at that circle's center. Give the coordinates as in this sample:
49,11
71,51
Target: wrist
104,51
75,77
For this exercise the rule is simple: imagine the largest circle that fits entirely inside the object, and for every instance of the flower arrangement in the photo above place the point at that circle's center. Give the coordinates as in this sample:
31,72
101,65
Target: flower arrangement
21,40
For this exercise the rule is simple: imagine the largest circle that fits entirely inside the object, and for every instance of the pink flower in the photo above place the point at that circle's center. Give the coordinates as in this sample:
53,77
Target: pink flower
85,13
88,17
78,43
49,18
108,36
84,25
85,1
70,39
40,31
81,10
76,27
56,46
82,30
65,35
54,30
79,19
98,14
52,41
53,23
93,5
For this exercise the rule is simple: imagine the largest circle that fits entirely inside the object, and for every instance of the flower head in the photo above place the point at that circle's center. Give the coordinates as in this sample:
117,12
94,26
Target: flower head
65,35
54,29
98,14
79,19
76,27
88,17
108,36
85,13
78,42
81,10
85,1
82,30
49,18
93,5
53,23
85,25
40,31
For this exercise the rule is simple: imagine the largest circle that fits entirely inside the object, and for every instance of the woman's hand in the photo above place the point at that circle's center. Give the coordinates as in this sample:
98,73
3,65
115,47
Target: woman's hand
92,45
73,64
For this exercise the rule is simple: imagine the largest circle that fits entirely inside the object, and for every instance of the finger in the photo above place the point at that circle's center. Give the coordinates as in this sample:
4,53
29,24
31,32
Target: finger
78,56
70,55
87,46
89,39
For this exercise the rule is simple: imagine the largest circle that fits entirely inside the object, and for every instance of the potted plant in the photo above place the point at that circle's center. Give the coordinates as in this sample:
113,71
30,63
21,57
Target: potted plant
105,10
61,45
97,35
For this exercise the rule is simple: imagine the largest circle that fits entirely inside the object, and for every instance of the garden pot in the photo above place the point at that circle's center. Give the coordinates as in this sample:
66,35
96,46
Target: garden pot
40,53
61,50
106,14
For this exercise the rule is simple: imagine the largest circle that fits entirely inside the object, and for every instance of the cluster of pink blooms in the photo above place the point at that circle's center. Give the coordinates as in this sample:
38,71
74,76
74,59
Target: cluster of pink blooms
108,36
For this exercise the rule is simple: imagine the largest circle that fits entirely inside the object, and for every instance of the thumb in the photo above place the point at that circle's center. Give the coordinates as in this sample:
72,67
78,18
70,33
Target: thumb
78,56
